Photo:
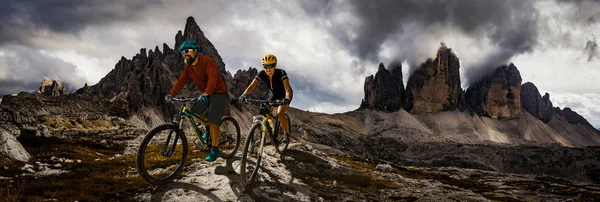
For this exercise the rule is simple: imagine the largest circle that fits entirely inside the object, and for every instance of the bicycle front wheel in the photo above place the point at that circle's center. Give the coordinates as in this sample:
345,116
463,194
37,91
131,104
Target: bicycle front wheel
252,155
229,140
162,154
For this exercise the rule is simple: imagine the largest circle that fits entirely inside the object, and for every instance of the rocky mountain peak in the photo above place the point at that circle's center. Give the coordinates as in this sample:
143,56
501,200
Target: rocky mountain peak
242,79
497,95
193,32
381,67
46,82
384,91
571,116
52,88
536,105
147,77
546,99
435,84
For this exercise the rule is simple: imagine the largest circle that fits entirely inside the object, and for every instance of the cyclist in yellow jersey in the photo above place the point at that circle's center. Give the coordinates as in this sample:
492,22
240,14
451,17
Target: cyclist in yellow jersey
278,83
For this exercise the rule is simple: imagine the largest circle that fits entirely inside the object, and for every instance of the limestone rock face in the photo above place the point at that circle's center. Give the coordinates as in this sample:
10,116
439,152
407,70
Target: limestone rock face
571,116
85,90
385,91
497,95
242,79
536,105
52,88
435,85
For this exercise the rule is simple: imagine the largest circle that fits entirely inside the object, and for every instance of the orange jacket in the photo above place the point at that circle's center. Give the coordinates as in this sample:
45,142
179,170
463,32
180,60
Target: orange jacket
205,76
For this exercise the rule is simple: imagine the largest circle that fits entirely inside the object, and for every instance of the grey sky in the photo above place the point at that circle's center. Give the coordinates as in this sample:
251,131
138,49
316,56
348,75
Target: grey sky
327,47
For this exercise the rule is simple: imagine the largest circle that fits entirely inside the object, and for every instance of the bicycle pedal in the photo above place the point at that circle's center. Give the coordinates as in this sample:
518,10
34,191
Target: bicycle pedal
200,147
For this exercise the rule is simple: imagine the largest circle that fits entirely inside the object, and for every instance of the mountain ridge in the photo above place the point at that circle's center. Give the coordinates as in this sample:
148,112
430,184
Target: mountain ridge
333,156
435,88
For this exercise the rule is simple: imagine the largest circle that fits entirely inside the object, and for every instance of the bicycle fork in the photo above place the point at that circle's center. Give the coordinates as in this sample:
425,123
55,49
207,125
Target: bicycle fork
166,152
262,138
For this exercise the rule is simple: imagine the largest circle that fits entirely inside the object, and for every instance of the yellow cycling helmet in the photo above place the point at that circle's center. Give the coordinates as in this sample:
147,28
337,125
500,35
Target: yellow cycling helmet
269,59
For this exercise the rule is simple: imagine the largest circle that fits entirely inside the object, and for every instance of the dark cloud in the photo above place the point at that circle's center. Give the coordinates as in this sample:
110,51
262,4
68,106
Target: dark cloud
17,86
578,1
591,49
510,25
23,69
318,7
22,19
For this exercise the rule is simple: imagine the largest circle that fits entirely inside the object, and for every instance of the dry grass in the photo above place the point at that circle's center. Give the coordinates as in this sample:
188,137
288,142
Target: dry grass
356,163
90,180
63,123
96,178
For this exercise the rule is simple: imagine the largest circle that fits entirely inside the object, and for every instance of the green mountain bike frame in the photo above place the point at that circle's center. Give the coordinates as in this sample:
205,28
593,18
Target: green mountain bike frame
177,120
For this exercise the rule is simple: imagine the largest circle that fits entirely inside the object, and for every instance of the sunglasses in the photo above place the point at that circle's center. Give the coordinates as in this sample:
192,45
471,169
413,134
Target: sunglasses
186,51
269,66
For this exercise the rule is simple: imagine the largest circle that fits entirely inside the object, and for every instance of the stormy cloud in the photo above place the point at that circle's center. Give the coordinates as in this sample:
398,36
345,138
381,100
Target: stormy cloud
21,21
510,26
23,69
327,47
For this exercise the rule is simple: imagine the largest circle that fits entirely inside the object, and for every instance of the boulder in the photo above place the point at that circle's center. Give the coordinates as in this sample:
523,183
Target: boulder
11,149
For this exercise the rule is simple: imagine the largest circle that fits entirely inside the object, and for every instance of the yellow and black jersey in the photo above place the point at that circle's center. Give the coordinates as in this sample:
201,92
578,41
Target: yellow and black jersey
275,83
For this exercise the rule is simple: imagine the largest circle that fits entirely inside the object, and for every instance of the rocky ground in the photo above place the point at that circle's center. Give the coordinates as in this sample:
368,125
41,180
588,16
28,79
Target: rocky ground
87,155
79,170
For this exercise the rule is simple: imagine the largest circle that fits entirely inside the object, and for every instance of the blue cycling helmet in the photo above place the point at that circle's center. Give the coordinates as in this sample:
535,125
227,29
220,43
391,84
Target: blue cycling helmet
189,44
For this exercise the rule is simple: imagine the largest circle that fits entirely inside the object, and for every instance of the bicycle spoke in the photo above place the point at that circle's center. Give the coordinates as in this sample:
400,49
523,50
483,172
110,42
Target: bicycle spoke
161,155
156,161
251,157
229,137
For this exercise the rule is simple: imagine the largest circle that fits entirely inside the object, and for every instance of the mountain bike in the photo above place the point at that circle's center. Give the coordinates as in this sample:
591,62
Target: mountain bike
162,153
255,141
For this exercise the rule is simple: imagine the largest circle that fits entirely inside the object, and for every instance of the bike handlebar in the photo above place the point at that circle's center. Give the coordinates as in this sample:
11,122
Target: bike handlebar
184,100
276,102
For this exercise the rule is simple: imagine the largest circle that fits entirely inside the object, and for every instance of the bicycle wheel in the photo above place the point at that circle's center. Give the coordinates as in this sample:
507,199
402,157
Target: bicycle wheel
280,145
252,155
229,140
162,154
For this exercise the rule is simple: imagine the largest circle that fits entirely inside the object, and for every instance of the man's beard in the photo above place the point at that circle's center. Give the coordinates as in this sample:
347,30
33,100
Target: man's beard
188,61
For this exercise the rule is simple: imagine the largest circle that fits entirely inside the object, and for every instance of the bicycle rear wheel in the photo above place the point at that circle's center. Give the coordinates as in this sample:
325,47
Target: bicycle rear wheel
229,140
162,154
252,155
280,145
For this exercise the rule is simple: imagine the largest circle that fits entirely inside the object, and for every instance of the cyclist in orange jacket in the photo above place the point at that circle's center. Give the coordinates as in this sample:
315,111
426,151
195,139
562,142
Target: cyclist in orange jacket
204,73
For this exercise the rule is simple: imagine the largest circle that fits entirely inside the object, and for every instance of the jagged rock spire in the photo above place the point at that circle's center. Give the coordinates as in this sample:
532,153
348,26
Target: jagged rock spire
435,85
384,91
497,95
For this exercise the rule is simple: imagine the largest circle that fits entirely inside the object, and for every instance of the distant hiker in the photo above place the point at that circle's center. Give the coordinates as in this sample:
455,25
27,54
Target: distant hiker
278,83
204,73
